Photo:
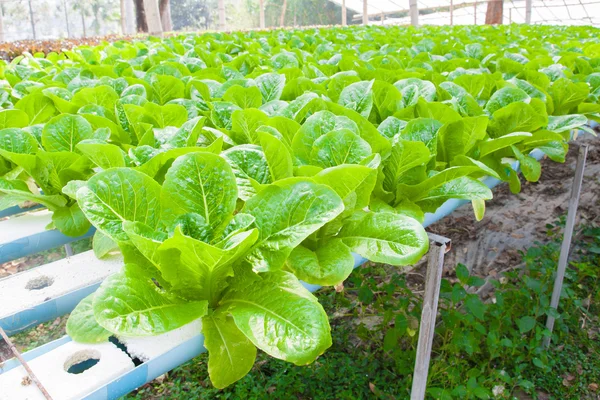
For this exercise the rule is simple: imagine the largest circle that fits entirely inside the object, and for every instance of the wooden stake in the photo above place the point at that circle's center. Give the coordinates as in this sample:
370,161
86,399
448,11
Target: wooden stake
567,237
435,266
25,365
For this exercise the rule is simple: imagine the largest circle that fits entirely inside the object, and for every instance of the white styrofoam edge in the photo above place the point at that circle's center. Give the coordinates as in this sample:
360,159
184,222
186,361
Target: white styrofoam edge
65,276
72,278
51,370
24,225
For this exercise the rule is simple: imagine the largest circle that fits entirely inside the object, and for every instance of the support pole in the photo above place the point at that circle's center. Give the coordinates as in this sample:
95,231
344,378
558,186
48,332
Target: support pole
528,11
451,12
153,17
433,279
344,23
568,235
221,15
261,13
123,9
475,13
67,18
365,15
69,250
129,17
1,24
510,15
32,20
414,13
382,17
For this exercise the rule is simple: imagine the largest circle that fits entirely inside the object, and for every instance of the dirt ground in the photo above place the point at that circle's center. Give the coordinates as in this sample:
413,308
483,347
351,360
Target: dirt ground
513,222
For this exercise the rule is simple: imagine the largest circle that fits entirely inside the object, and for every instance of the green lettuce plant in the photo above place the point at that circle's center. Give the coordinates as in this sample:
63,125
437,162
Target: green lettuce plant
190,253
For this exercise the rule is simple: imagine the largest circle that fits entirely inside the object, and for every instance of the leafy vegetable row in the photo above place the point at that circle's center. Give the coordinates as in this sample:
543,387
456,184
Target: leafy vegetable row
227,168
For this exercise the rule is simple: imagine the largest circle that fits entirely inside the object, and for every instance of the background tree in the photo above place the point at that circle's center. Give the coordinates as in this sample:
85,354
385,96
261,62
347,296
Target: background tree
494,12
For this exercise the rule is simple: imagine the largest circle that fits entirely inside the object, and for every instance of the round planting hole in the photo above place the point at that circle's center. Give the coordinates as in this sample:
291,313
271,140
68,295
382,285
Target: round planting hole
39,283
81,361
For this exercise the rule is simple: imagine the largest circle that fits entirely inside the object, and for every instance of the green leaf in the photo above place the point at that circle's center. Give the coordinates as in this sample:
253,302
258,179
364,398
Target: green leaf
103,96
134,306
330,264
13,192
201,183
120,194
64,132
270,86
70,220
198,270
478,208
391,127
491,145
316,126
567,95
530,167
249,97
526,324
475,306
516,117
286,213
167,115
82,325
18,141
353,183
38,107
404,156
422,190
339,147
423,130
166,88
103,245
249,164
245,123
505,96
386,237
458,138
13,118
231,354
281,318
566,122
278,157
104,155
358,97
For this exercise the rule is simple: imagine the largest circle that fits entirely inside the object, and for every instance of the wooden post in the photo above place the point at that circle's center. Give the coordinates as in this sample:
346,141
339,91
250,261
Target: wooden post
568,235
365,15
528,11
129,17
451,12
31,19
153,17
221,15
344,22
83,21
164,8
1,24
262,13
67,18
123,17
433,279
494,13
414,13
